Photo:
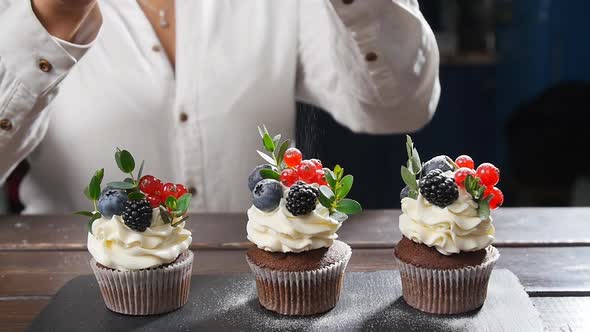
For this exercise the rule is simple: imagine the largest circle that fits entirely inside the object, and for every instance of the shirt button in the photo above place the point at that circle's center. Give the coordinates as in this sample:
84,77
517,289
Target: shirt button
45,65
347,2
5,124
183,117
192,191
371,57
156,48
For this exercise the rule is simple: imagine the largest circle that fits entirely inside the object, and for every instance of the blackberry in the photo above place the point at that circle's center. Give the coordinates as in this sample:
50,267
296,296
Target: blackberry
302,198
439,189
137,214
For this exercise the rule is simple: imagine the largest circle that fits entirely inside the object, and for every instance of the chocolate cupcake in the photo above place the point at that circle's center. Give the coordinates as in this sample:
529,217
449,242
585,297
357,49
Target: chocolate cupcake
445,255
139,246
298,206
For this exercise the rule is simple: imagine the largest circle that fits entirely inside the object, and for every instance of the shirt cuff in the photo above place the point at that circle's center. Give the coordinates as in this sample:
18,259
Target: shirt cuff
29,52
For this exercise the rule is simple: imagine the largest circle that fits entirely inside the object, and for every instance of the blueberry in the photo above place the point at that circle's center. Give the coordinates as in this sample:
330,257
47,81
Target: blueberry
111,202
438,162
267,195
404,193
255,177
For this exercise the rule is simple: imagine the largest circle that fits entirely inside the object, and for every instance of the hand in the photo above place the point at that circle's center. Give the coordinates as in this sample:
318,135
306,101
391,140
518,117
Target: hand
62,18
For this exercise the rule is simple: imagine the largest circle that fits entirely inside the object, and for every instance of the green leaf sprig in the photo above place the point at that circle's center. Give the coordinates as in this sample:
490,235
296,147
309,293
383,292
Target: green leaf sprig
476,190
412,169
92,192
275,149
174,212
333,196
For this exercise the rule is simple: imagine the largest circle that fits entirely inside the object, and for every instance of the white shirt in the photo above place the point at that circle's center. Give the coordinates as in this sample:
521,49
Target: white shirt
238,64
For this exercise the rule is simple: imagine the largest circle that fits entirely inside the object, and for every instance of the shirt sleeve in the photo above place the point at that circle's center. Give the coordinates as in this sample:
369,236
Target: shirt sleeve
32,63
373,64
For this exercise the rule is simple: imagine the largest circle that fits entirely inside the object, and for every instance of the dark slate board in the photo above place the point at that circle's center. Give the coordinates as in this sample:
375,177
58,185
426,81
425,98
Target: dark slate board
370,301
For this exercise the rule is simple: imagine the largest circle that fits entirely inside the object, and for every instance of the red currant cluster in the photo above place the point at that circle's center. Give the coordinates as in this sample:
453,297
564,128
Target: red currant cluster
309,171
157,192
487,174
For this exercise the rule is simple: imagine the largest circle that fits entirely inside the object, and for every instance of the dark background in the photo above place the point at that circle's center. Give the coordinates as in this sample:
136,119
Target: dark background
514,78
515,85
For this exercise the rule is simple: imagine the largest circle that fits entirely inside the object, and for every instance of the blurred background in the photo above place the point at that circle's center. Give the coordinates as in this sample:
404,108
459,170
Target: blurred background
515,77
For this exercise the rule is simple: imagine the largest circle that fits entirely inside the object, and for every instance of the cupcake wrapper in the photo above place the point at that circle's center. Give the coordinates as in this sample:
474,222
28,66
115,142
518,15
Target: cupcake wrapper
447,291
300,293
146,292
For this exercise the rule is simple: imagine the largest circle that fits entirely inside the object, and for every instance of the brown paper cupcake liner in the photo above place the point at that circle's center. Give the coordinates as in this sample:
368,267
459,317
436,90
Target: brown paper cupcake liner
300,293
447,291
146,292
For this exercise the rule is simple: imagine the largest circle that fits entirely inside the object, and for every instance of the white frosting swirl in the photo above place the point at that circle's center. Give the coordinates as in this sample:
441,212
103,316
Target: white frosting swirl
280,231
115,245
450,230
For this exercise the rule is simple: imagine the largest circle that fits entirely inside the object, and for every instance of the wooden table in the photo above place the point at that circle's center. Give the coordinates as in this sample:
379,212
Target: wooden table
547,248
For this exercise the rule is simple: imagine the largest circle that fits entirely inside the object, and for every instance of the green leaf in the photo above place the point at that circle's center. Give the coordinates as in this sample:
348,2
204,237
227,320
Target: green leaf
171,202
413,194
136,195
480,192
415,162
345,186
409,178
326,191
140,172
87,193
339,172
100,175
281,152
269,145
270,174
266,158
125,161
94,188
261,132
349,206
121,185
484,209
409,146
184,202
84,213
330,178
339,216
129,180
166,217
276,139
325,201
90,222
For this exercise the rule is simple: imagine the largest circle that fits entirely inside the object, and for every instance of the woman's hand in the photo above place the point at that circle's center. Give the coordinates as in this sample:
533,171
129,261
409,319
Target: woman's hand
62,18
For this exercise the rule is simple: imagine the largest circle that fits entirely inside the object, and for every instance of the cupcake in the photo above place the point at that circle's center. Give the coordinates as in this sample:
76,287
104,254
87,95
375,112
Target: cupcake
297,208
139,246
446,255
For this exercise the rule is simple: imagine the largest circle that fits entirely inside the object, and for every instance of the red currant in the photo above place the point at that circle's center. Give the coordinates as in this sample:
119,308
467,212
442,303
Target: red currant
465,161
317,163
306,170
155,201
169,189
489,174
461,174
181,190
497,199
292,157
149,184
320,177
289,177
